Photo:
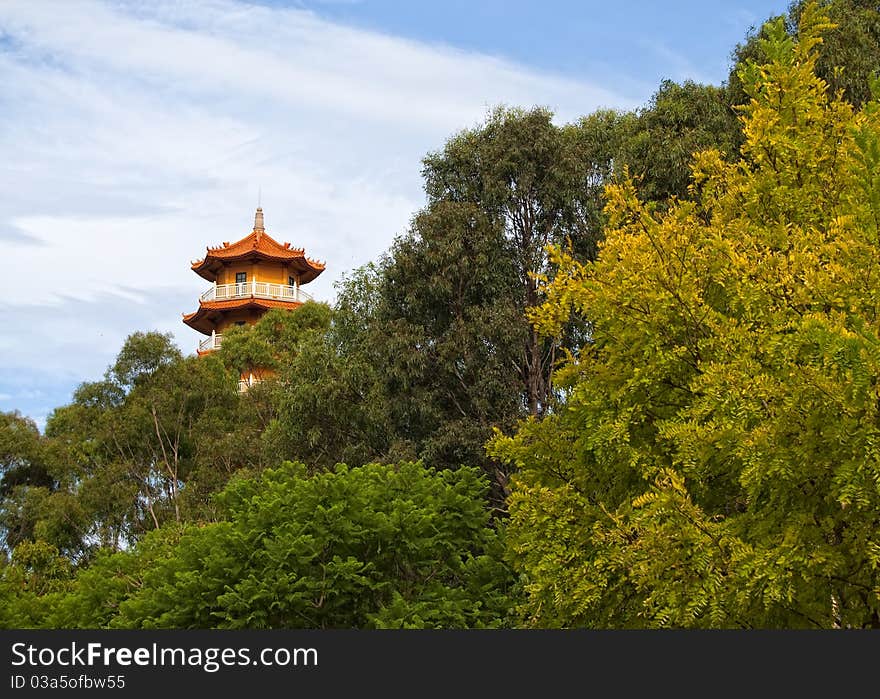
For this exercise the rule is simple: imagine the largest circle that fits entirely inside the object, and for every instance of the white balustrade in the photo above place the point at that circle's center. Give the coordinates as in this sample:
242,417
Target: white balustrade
245,384
257,290
211,343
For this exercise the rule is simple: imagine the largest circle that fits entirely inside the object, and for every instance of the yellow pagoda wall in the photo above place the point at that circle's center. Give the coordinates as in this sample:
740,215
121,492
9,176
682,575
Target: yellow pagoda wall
248,315
261,271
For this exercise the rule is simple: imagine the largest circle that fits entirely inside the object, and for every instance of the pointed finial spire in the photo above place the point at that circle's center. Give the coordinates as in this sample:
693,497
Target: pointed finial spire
259,229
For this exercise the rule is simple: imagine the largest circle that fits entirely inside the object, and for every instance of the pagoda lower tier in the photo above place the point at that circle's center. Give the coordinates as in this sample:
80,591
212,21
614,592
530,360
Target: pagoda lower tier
244,305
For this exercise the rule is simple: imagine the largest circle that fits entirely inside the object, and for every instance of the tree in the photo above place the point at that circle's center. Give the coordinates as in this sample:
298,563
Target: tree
848,57
450,330
142,355
273,341
657,142
329,403
715,461
154,431
126,445
104,490
375,546
30,582
23,474
529,178
422,356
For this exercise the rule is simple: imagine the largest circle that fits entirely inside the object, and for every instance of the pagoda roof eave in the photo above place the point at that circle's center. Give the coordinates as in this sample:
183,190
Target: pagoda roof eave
257,245
209,267
203,320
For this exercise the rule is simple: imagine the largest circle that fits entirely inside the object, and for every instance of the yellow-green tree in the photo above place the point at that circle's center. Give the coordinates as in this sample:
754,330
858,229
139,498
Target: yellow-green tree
715,460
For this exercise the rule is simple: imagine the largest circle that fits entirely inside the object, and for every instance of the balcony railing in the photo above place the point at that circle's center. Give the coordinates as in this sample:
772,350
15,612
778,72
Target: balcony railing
245,384
257,290
211,343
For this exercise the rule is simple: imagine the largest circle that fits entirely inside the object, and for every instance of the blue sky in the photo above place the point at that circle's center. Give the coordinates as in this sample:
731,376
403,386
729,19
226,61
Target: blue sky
134,134
631,44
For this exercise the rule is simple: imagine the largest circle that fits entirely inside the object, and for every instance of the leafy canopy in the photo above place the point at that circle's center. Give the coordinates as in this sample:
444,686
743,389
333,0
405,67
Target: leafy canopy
716,462
375,546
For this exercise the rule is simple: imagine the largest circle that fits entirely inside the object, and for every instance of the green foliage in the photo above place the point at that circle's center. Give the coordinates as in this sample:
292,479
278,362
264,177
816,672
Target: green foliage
24,476
30,582
332,404
847,60
273,341
451,335
429,350
387,546
112,464
715,463
657,143
156,430
112,577
530,179
140,357
43,568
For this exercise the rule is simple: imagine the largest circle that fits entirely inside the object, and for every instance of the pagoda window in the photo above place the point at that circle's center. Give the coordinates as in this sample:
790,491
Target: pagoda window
241,277
291,281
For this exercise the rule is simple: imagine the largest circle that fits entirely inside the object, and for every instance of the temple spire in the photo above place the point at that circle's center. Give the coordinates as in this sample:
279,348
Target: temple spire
259,229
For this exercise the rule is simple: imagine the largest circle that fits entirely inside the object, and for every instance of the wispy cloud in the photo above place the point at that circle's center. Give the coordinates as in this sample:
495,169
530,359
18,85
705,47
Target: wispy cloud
11,233
133,134
680,68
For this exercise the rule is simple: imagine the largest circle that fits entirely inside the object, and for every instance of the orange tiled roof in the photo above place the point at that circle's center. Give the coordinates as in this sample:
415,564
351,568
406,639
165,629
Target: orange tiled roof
257,244
202,320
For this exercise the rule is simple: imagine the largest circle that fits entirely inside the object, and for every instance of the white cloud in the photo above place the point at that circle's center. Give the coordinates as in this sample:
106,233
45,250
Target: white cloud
134,134
677,63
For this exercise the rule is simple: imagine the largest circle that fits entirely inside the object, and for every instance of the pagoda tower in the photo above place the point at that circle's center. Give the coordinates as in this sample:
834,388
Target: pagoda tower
248,278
